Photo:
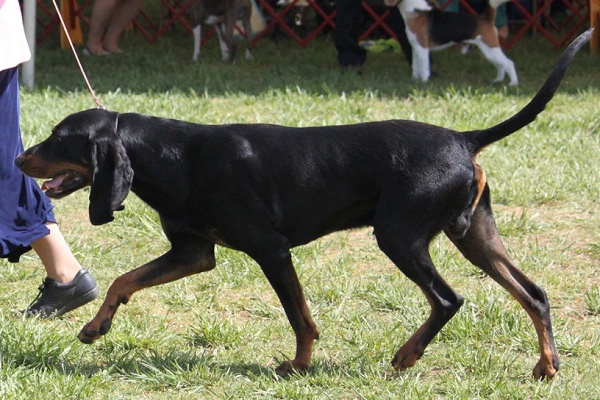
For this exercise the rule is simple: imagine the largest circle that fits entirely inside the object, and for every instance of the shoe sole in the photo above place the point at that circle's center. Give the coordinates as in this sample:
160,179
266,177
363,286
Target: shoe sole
78,302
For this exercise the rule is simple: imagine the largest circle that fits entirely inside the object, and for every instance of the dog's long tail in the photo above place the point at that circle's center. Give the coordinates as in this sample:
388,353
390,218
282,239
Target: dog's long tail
481,138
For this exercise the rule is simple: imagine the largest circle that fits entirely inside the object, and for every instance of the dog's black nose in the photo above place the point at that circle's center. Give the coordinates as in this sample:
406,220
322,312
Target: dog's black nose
19,160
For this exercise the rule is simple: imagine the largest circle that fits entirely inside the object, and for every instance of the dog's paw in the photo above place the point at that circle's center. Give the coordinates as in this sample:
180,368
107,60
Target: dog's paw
545,371
405,358
290,367
89,335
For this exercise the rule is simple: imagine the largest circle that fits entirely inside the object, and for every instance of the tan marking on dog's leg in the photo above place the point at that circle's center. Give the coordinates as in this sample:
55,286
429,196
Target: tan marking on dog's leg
169,267
280,272
481,180
419,26
488,33
483,247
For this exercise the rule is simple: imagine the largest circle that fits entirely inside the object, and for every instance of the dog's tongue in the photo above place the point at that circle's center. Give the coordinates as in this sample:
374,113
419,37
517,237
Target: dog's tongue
54,183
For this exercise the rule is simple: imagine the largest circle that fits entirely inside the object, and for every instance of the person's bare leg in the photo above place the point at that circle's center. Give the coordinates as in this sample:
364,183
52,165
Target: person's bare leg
125,12
101,14
68,285
60,263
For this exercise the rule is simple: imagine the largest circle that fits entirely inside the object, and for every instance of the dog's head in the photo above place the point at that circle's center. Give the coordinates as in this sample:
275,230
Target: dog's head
83,149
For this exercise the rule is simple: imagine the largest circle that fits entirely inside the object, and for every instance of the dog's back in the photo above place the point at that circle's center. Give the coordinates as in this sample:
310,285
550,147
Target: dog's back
211,11
447,27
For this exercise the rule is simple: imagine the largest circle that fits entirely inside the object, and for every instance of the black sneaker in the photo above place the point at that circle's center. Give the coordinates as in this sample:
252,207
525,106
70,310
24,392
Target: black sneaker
57,298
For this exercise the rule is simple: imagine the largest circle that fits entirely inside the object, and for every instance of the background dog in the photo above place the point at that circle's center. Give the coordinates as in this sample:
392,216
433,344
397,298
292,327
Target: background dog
219,13
429,28
263,189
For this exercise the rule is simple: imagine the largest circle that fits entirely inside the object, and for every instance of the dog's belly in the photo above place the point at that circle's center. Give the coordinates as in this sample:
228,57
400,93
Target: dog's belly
315,224
213,19
436,47
446,39
306,218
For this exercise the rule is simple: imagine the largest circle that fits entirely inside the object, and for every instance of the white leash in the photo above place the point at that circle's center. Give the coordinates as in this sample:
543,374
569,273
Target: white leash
64,27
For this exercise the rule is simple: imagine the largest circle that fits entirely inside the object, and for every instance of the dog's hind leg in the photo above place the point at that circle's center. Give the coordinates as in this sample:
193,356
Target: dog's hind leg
407,247
482,246
188,255
503,64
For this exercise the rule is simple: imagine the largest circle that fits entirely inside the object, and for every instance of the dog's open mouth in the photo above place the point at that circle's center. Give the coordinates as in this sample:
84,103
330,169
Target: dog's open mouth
63,184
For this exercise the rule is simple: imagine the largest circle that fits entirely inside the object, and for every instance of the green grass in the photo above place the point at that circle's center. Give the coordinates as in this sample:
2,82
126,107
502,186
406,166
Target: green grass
221,334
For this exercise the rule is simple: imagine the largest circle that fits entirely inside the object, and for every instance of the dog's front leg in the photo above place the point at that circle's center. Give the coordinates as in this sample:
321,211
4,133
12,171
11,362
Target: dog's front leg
182,260
230,22
277,267
225,51
421,55
197,41
420,58
406,248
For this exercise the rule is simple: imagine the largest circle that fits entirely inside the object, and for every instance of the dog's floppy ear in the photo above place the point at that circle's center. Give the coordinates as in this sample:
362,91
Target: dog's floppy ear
111,176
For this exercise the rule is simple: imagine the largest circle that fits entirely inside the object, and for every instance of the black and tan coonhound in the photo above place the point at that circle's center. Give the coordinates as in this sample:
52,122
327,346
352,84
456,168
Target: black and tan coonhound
264,189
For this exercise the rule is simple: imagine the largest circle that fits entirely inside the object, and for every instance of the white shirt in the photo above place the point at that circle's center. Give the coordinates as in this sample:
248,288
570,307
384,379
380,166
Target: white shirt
13,45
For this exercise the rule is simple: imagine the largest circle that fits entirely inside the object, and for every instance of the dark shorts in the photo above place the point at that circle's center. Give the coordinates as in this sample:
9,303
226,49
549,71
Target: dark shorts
24,208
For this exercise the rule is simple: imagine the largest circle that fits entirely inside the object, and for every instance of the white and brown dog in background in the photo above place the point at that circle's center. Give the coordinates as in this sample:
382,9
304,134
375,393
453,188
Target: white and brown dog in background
222,13
429,28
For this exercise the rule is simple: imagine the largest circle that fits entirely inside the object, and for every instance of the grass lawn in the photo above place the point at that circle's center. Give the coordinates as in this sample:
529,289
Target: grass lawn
221,334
